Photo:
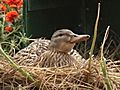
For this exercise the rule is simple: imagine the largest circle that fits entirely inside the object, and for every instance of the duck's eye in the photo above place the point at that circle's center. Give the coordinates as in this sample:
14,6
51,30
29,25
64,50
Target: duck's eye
60,34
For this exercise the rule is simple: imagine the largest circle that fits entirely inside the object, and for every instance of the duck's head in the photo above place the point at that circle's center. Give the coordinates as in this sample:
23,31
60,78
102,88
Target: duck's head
64,40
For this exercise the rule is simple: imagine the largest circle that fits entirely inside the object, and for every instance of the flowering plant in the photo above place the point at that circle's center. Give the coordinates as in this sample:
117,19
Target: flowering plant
12,34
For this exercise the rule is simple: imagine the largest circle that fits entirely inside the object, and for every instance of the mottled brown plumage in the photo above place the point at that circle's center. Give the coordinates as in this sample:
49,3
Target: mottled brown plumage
61,43
28,56
51,53
53,58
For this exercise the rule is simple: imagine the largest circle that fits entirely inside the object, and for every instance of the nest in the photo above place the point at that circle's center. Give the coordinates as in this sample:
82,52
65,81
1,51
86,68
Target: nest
60,78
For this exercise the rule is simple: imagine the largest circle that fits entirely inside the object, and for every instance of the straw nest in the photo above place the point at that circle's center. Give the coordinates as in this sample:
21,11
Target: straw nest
63,78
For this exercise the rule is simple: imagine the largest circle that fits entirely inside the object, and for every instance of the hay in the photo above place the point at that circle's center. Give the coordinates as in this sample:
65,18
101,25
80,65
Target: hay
59,78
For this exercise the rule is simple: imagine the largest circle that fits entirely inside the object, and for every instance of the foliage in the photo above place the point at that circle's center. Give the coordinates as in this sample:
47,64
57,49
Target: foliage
12,35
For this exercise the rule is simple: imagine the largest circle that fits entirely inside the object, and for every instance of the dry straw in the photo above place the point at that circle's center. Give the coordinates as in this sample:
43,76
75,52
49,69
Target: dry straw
64,78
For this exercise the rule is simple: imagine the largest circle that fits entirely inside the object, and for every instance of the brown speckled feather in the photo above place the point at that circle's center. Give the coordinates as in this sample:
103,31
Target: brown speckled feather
52,58
29,55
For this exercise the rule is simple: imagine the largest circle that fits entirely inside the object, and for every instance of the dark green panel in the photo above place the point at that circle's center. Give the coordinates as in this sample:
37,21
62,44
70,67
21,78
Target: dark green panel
43,17
45,22
45,4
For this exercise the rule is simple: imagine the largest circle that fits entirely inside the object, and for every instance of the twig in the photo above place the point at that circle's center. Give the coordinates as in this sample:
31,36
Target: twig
103,63
13,64
94,37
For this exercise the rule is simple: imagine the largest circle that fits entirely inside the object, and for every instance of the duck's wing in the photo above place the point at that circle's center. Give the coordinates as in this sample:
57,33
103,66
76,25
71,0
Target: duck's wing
30,53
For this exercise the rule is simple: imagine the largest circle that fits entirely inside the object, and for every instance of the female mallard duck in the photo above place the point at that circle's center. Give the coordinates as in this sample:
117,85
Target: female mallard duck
62,42
57,52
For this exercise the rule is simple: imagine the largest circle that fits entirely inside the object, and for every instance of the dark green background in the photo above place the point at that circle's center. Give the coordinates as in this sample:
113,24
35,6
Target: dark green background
43,17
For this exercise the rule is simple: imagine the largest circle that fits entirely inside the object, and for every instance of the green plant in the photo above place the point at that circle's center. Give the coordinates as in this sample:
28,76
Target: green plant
12,35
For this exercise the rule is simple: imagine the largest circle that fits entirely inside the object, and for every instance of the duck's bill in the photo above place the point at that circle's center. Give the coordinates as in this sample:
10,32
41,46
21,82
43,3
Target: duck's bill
79,38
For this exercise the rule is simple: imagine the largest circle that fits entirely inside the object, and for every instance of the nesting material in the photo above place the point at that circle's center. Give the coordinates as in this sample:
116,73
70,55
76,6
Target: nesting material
60,78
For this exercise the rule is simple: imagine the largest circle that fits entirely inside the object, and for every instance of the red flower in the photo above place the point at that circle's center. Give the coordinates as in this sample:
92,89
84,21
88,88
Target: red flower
13,6
20,4
10,16
8,28
17,3
3,7
9,19
10,2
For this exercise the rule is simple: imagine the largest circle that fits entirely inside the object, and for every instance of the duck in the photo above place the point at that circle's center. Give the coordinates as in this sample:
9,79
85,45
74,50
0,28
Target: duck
56,52
62,42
